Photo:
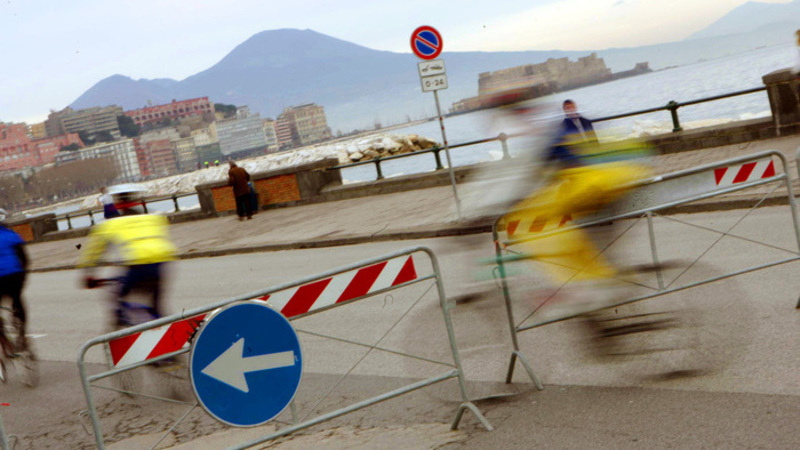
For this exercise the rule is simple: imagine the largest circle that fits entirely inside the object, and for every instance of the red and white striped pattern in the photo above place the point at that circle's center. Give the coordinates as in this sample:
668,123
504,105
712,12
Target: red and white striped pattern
539,224
291,302
150,344
343,287
741,173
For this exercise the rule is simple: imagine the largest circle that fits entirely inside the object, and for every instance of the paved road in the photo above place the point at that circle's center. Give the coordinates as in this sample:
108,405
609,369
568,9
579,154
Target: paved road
756,330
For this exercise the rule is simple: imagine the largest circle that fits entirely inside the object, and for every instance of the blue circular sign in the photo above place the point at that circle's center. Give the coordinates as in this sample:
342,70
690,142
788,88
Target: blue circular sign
246,364
426,42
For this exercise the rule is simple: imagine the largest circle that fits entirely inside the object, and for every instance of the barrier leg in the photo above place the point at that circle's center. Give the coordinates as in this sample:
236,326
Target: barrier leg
462,384
476,411
511,323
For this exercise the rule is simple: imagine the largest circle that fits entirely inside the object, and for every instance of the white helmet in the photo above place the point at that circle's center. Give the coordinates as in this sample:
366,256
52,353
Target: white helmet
3,215
126,194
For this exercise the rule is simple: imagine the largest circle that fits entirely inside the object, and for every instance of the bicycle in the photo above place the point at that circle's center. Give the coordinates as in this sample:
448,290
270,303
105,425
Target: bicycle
127,314
16,352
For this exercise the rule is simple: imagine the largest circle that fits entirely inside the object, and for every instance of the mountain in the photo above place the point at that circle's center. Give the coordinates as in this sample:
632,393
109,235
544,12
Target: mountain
278,68
359,86
752,16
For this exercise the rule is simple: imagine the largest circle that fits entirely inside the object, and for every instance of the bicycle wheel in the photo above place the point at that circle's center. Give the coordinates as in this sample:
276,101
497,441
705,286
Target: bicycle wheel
683,333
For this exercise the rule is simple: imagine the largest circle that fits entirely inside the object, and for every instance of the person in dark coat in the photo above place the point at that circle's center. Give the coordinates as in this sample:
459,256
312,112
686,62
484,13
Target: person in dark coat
575,131
239,179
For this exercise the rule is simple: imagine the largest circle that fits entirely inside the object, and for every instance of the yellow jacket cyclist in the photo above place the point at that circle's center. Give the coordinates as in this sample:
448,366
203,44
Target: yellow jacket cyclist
144,246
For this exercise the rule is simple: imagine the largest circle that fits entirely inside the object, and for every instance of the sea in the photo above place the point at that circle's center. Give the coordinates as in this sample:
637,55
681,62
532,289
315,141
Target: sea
723,75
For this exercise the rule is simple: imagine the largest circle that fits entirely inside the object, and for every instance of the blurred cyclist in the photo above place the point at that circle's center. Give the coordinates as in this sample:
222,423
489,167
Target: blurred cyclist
13,271
144,246
579,176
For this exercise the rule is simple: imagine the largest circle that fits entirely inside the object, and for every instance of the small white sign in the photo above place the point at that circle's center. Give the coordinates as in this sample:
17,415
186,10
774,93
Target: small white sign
434,83
430,68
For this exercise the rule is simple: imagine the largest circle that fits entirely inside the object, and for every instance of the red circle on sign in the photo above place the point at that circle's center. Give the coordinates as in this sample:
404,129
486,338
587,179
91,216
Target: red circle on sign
437,48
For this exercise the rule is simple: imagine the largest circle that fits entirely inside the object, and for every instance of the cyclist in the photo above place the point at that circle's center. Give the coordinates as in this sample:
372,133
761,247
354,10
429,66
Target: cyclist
579,176
144,246
13,271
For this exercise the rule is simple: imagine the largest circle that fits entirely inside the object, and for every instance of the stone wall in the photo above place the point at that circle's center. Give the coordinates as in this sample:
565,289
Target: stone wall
284,187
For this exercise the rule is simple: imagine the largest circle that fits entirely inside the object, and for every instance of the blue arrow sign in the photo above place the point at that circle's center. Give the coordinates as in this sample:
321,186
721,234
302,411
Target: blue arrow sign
246,364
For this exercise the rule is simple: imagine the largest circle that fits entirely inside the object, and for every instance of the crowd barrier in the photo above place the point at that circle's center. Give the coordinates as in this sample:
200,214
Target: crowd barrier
168,337
646,199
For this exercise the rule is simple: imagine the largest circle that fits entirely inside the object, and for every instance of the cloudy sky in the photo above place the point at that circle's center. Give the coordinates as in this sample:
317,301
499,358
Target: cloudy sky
55,50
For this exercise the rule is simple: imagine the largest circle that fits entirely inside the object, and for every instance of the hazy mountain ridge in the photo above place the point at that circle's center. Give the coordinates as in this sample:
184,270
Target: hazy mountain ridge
752,16
359,86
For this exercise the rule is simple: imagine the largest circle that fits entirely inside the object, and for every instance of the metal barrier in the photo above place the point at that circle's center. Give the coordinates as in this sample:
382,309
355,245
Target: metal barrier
171,336
647,197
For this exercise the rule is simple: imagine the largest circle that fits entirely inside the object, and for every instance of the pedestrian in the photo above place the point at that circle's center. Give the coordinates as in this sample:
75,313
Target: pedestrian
109,210
239,179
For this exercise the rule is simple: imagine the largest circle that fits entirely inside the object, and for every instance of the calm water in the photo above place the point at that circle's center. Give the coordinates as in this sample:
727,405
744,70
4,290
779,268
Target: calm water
691,82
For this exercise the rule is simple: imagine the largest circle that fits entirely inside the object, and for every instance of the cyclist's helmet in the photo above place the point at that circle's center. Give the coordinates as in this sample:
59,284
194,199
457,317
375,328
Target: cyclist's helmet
128,197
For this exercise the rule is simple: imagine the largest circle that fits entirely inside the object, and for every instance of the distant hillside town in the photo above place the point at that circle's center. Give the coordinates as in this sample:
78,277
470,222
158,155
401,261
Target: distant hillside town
150,142
537,80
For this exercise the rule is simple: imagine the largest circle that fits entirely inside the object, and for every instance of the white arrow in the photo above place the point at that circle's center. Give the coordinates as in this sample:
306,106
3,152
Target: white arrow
231,365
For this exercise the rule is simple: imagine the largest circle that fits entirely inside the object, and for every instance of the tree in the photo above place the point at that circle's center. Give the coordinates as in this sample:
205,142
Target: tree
127,127
103,136
86,138
225,110
70,147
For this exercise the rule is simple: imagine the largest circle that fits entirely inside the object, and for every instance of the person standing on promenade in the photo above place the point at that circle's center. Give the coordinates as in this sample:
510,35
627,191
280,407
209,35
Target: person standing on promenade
239,179
796,68
107,202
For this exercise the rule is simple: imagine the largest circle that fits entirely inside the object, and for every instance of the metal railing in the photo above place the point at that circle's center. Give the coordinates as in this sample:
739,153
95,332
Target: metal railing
502,137
672,107
91,212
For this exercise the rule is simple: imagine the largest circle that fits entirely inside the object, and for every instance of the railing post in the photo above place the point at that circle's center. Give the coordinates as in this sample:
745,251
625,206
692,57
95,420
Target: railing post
91,217
175,200
378,168
69,223
436,151
503,138
144,205
673,106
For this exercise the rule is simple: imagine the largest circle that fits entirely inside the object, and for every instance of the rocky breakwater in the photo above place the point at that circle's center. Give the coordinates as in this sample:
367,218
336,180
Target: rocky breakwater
382,146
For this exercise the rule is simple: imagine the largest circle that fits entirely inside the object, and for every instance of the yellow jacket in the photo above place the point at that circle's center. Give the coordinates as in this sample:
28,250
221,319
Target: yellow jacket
141,239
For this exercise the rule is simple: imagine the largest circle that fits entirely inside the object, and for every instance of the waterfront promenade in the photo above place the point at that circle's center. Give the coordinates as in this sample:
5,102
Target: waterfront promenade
411,214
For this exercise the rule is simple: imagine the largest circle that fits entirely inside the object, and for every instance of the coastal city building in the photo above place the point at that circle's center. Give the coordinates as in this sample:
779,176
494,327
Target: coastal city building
172,111
270,135
285,132
38,131
243,134
309,124
122,153
155,147
18,150
89,121
185,154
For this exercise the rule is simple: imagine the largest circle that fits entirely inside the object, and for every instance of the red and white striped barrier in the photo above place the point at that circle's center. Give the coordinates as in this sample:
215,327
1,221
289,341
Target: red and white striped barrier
537,225
343,287
742,173
153,343
291,302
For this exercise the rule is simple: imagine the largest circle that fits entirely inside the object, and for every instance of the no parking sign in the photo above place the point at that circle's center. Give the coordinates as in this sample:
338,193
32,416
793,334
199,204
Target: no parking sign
426,42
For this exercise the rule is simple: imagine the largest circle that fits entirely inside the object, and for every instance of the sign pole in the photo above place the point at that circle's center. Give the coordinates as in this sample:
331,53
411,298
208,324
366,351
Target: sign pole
447,153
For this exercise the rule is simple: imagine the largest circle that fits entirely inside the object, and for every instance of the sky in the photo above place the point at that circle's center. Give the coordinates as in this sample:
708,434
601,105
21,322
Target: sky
55,50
